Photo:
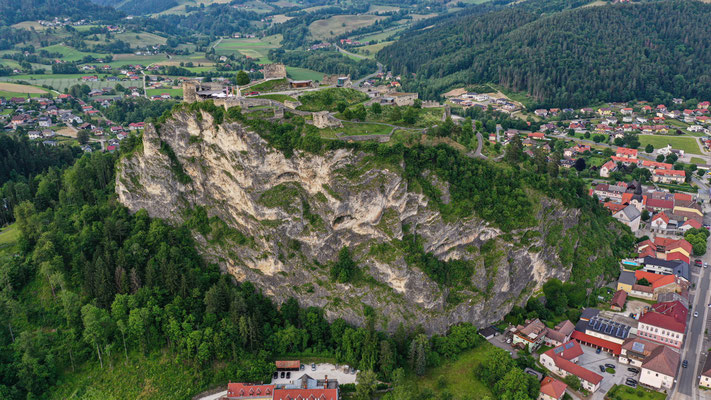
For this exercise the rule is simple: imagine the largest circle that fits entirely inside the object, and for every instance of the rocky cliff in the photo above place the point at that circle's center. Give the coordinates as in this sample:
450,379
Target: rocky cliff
288,217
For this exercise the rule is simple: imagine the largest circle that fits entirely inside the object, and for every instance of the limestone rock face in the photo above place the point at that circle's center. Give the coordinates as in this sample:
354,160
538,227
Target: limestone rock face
298,212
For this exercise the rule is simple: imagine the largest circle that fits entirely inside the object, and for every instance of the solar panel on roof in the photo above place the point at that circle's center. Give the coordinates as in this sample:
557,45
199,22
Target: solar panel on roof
569,345
558,350
638,347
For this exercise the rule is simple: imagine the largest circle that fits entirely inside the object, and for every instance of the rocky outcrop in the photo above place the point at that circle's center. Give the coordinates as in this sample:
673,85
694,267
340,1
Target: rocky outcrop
298,212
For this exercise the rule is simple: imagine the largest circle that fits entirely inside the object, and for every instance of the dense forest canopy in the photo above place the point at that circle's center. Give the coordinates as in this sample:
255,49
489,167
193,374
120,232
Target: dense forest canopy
14,11
572,58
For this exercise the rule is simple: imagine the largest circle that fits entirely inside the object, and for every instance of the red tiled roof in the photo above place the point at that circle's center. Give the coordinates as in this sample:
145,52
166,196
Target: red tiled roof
577,370
627,152
673,244
662,321
669,172
682,197
553,387
614,207
318,394
677,255
619,298
291,364
609,165
693,223
657,280
569,353
249,390
623,159
661,216
647,251
659,203
615,348
663,360
627,197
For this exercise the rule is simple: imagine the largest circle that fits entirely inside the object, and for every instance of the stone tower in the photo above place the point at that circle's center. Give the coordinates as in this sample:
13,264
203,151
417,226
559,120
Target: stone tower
190,89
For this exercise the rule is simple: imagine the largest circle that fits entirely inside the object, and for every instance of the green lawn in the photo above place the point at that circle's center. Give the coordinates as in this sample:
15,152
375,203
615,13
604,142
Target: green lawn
253,48
70,53
8,95
278,97
698,161
9,235
356,129
619,392
269,85
688,144
303,74
340,24
458,376
172,92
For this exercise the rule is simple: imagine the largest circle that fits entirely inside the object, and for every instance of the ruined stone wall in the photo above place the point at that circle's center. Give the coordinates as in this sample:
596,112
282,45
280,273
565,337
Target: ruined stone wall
274,71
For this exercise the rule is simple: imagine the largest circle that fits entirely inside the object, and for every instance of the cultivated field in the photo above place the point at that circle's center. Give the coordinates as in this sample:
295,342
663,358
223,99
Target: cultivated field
370,50
16,88
303,74
340,24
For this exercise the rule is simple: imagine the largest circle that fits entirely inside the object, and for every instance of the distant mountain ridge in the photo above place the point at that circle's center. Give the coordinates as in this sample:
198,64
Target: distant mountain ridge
14,11
139,7
655,50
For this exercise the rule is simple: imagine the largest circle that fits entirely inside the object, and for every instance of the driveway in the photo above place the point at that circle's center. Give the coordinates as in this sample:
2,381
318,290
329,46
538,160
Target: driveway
591,361
322,371
500,342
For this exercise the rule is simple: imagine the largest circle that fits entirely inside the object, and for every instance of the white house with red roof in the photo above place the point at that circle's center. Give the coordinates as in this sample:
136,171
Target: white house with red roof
665,324
248,391
562,361
659,368
668,176
552,389
608,168
660,221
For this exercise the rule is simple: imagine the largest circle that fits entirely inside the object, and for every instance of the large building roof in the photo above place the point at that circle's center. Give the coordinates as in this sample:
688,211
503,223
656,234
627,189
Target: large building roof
294,394
619,299
627,278
615,348
663,360
666,316
561,331
247,390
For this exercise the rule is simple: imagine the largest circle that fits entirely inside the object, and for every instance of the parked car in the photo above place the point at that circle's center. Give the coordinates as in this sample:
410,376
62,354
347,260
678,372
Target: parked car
313,366
630,384
602,368
282,375
288,375
698,262
685,364
631,381
276,375
302,367
633,370
610,366
696,314
598,351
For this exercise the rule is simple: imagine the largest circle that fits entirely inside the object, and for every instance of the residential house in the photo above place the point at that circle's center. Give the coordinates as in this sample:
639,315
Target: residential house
659,369
560,334
664,324
629,216
687,209
541,113
626,280
660,222
629,154
562,361
552,389
248,391
635,351
611,333
607,169
618,300
669,176
531,334
705,380
666,267
690,224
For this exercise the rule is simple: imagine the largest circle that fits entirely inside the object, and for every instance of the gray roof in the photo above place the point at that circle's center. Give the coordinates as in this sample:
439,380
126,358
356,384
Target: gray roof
589,313
631,212
627,277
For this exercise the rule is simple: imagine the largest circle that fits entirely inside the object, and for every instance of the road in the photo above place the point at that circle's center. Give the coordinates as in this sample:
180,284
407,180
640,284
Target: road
694,350
361,80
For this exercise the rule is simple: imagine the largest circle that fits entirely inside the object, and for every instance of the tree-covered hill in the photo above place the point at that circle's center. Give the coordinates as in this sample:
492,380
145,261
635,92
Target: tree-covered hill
571,58
14,11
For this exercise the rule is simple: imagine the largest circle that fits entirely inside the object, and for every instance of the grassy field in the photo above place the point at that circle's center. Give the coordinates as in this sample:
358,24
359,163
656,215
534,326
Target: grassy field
370,50
172,92
61,82
299,74
269,85
356,129
70,53
13,87
619,392
698,161
149,377
340,24
457,377
253,48
688,144
379,36
277,97
9,235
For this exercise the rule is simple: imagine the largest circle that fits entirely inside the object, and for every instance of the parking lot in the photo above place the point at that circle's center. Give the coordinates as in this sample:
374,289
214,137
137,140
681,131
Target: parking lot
591,360
322,371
